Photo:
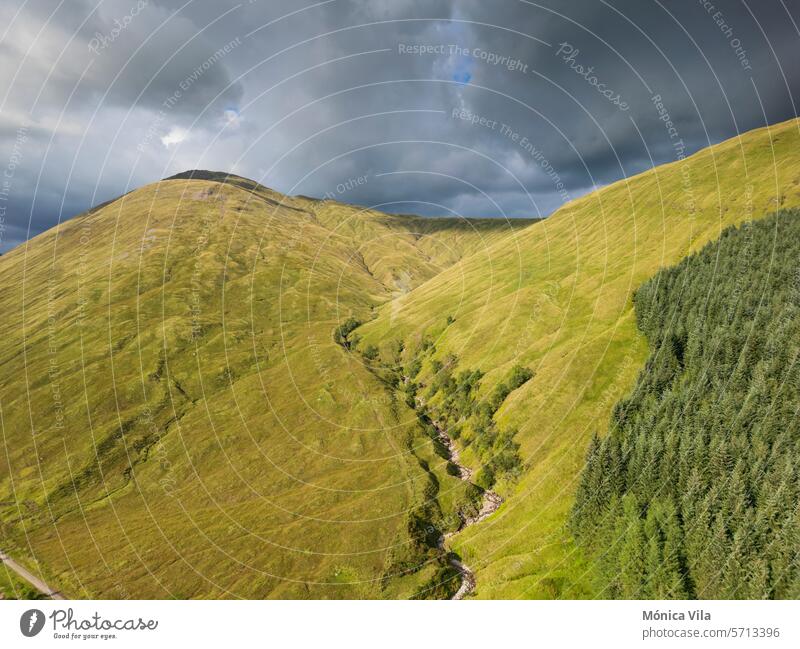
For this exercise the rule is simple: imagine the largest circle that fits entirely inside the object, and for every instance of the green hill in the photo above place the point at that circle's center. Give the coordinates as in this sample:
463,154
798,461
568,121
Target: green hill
557,298
177,419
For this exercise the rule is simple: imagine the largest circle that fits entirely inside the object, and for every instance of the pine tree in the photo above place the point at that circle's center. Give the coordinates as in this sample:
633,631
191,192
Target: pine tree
695,490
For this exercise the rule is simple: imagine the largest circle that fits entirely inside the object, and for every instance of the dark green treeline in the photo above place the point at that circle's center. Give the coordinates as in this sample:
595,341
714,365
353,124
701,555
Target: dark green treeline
694,491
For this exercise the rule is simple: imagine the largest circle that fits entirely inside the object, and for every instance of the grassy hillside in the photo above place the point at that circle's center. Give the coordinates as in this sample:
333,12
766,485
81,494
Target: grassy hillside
695,490
177,420
558,299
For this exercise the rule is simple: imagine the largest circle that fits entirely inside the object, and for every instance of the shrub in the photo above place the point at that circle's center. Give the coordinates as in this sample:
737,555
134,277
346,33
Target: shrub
485,478
342,332
519,375
414,367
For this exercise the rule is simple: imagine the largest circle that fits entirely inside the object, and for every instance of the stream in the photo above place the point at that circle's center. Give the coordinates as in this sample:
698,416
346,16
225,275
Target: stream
490,504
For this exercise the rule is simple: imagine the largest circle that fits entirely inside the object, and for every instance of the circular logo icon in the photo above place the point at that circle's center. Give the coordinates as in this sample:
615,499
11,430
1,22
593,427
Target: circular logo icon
31,622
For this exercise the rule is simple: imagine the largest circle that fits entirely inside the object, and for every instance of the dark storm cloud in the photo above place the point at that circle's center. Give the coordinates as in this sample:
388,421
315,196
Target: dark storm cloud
499,113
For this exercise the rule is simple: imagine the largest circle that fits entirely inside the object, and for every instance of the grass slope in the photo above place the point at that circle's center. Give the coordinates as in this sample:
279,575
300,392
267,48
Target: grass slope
557,298
176,419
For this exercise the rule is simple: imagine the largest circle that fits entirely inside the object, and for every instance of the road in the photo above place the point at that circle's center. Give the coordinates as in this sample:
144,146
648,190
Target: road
33,580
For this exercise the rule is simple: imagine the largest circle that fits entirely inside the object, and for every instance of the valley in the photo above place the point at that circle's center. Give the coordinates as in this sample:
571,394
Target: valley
212,390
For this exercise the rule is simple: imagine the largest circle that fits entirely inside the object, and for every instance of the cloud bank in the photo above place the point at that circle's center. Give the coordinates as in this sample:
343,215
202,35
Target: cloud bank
497,109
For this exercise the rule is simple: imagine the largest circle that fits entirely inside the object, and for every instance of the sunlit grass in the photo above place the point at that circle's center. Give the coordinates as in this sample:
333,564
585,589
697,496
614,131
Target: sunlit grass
557,298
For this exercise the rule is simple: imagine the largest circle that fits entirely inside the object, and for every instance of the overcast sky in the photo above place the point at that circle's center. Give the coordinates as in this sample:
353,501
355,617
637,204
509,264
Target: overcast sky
501,108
